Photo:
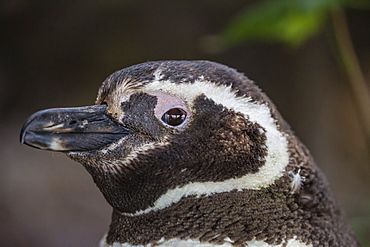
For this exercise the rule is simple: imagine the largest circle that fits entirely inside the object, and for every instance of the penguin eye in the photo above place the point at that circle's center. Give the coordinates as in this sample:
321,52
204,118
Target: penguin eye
174,117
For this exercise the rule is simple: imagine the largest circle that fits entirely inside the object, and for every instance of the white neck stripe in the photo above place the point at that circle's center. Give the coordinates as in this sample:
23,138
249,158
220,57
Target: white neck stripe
196,243
276,160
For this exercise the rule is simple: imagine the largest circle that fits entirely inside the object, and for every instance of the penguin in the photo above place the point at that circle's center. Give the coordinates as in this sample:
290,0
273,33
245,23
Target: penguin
193,153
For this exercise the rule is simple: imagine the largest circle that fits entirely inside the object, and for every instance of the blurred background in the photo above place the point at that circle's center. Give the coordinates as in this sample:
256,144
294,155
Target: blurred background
57,53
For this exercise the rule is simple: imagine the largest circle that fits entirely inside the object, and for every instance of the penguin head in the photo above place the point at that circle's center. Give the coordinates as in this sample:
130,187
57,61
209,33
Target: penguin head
162,131
193,152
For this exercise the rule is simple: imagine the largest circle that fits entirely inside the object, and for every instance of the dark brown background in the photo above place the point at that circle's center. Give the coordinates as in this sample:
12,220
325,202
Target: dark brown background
56,53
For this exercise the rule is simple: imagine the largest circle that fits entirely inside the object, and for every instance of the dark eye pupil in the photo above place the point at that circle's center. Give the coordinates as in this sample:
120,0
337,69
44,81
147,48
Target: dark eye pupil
174,117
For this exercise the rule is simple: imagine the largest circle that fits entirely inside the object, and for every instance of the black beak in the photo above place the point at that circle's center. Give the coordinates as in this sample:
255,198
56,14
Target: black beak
72,129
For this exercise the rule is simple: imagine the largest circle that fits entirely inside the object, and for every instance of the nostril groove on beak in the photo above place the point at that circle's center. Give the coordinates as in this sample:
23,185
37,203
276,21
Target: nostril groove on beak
72,122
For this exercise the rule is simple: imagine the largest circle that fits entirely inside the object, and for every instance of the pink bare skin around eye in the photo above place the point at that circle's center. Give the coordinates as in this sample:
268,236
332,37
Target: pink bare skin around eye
166,102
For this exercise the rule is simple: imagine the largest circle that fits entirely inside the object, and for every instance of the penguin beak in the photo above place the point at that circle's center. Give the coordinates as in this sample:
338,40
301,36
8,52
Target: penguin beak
72,129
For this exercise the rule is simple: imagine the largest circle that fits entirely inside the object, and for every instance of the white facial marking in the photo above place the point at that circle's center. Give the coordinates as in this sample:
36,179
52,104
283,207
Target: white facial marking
122,93
196,243
277,157
116,166
157,75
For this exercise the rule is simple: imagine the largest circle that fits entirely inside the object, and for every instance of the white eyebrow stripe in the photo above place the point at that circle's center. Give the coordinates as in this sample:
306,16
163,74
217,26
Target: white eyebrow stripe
276,160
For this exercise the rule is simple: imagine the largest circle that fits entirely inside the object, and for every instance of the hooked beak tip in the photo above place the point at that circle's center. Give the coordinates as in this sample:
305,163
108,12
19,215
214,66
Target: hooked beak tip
71,129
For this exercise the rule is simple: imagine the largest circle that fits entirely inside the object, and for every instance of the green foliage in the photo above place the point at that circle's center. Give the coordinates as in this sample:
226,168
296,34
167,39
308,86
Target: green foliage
288,21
